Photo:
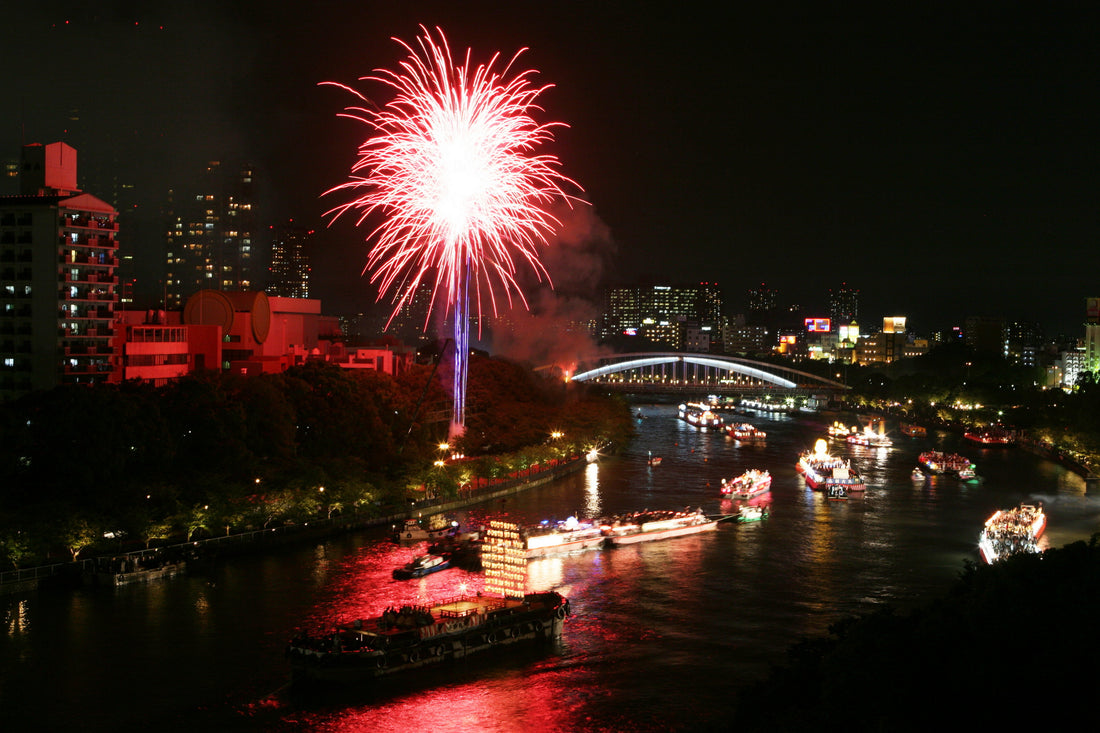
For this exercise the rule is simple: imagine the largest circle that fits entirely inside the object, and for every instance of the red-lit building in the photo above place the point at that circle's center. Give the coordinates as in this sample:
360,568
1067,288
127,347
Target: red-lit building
58,260
244,332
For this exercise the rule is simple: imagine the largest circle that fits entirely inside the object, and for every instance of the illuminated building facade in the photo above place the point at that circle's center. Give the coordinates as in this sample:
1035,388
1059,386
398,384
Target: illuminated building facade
1091,354
210,240
58,259
664,313
893,342
290,261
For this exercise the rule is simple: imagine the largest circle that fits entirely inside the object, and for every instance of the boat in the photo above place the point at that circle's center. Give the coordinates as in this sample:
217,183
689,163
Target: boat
913,431
838,430
416,636
991,437
753,482
422,565
822,470
655,525
653,460
869,438
744,432
700,415
117,571
938,462
752,513
918,475
559,538
836,492
413,531
412,637
1012,532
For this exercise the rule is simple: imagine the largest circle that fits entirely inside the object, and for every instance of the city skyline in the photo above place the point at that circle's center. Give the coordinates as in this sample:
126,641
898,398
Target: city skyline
942,165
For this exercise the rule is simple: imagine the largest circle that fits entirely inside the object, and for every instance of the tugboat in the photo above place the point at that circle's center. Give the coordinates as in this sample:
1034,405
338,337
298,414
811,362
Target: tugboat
416,636
753,513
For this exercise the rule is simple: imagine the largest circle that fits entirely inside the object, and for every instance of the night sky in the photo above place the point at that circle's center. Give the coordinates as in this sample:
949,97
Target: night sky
943,163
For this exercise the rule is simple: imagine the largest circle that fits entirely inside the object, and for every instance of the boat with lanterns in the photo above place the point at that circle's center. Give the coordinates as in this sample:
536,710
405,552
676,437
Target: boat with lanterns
751,483
939,462
1012,532
415,636
562,537
868,436
700,415
744,432
647,526
991,437
821,470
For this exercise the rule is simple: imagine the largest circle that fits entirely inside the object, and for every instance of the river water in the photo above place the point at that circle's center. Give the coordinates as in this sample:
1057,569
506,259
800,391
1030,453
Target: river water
662,634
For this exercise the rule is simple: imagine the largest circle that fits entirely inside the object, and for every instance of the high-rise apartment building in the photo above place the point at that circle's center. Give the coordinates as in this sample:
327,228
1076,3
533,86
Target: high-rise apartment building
290,261
843,305
58,259
210,241
661,313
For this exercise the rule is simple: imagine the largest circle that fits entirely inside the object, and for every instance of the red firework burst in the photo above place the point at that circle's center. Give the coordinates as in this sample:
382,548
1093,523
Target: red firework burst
450,165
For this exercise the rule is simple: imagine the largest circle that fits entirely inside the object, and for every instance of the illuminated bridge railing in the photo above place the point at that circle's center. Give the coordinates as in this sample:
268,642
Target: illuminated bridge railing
687,373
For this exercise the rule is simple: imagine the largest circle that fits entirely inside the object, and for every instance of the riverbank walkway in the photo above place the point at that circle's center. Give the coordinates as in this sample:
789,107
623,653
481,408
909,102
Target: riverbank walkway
212,548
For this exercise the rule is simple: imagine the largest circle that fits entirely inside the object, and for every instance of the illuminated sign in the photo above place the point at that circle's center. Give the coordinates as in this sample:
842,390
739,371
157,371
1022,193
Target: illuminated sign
630,332
893,324
818,325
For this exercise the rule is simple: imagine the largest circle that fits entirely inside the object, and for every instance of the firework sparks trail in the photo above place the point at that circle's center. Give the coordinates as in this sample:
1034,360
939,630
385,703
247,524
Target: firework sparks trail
450,165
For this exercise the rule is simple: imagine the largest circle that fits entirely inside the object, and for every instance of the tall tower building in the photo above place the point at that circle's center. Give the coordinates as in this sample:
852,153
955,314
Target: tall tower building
290,261
210,241
58,260
843,305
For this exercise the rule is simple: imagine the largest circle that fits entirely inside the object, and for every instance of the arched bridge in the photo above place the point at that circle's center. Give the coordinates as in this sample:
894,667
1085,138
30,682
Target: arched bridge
673,372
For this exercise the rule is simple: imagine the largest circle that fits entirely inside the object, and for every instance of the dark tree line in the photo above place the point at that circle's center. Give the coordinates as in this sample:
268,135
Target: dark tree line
1014,645
219,452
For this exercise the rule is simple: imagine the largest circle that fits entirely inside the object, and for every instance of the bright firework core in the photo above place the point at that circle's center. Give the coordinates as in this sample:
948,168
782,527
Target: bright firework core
449,166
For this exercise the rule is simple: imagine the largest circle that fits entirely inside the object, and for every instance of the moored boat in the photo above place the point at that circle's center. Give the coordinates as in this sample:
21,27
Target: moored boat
413,531
1012,532
422,565
992,437
655,525
751,483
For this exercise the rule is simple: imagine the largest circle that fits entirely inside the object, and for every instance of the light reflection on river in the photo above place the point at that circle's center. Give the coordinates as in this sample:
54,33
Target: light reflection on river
662,634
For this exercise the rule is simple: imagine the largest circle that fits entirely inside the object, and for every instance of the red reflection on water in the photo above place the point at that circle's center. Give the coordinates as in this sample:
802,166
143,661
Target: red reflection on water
364,586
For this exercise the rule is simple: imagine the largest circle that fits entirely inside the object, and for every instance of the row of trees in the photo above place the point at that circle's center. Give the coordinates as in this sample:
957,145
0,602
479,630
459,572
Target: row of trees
218,453
953,386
